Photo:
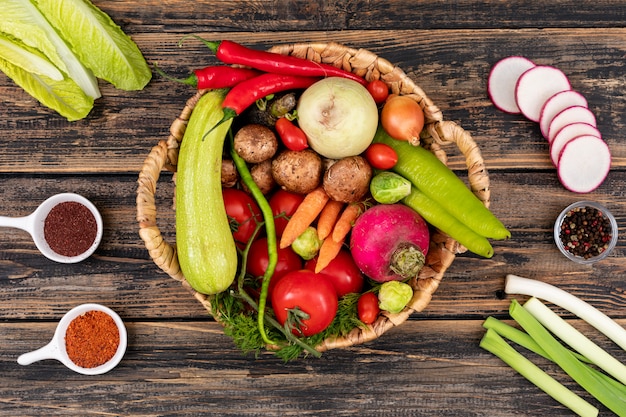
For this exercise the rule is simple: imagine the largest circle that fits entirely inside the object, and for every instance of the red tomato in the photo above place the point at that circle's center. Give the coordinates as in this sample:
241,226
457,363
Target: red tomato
284,202
258,258
291,135
243,214
379,90
312,293
367,308
381,156
342,272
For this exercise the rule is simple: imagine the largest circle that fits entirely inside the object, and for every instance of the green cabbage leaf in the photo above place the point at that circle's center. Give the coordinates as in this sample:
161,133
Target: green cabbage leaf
99,43
22,20
31,60
64,96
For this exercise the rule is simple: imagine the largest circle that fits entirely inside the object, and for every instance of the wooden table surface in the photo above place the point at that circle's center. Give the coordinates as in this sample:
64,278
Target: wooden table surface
178,361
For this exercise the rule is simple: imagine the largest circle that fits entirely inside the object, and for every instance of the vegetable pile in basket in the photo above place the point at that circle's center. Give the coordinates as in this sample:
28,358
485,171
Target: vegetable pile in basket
304,201
57,49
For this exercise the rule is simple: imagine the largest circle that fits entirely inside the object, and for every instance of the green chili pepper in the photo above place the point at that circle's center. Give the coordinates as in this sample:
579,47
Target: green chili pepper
438,182
438,217
270,230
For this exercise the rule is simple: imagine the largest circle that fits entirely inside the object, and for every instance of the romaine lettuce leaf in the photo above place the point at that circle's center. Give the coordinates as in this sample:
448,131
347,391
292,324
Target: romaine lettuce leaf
64,96
27,58
22,20
98,42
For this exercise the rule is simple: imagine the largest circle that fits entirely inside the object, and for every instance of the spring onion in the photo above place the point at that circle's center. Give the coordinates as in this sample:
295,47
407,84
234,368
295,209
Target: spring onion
611,394
575,339
494,343
518,285
519,337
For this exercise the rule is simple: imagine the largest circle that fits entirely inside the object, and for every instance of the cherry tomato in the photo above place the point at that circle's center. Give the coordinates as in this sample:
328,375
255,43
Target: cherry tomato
367,308
312,293
243,214
379,90
342,272
291,135
284,202
258,258
381,156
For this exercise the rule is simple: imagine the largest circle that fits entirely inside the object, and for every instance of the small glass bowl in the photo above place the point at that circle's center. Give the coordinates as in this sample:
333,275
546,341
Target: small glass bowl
610,244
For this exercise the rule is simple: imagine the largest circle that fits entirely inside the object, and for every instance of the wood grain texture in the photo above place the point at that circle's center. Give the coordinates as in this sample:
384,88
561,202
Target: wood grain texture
179,363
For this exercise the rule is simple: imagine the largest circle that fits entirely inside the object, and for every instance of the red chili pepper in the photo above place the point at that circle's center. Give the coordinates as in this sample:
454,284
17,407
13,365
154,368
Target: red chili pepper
246,93
291,135
231,52
222,77
217,76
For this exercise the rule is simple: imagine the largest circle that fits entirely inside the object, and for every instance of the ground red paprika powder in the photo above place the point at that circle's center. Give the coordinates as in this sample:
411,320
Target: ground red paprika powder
70,228
92,339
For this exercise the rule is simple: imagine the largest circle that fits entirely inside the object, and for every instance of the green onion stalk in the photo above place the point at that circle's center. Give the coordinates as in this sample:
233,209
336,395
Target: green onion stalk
608,391
494,343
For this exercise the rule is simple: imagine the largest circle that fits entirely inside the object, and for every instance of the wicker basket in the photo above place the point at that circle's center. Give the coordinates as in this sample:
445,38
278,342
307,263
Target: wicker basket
437,134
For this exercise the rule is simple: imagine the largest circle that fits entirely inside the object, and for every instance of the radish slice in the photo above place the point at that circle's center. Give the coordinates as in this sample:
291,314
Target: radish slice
584,164
535,86
574,114
556,104
568,133
503,79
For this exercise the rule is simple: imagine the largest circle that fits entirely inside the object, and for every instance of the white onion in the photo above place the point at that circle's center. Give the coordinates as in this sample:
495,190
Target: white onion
338,116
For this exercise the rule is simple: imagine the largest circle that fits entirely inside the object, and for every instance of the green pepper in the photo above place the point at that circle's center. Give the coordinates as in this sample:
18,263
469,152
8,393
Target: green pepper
439,183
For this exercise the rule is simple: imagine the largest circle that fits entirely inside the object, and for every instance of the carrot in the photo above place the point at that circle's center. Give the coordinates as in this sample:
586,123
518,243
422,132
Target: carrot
328,251
304,216
328,218
346,221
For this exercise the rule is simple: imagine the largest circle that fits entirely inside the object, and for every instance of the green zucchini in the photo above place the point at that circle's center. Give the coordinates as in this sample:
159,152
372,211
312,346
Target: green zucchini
206,249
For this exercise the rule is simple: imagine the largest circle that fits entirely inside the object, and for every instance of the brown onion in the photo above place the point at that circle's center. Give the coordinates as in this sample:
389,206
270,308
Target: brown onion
403,119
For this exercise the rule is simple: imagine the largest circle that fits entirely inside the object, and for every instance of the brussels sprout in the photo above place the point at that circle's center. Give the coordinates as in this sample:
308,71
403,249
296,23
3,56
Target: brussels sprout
393,296
308,244
388,187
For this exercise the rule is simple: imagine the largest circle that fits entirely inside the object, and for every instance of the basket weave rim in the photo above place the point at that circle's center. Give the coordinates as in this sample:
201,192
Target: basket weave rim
437,134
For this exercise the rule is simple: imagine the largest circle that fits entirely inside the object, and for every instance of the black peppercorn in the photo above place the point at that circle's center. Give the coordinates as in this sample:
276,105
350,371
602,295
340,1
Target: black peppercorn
585,232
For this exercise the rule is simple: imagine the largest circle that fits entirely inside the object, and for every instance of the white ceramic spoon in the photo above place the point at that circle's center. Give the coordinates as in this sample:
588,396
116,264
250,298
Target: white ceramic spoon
34,224
56,348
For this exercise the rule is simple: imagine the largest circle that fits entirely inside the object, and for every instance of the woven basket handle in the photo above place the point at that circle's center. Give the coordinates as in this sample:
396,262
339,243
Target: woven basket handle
162,253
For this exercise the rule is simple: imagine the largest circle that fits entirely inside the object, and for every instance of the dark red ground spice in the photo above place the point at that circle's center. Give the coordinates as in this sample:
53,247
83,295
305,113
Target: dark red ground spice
70,228
92,339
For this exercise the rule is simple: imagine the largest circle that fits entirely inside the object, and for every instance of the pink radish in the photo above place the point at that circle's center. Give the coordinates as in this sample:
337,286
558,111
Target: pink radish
567,133
584,164
573,114
502,80
557,103
389,242
535,86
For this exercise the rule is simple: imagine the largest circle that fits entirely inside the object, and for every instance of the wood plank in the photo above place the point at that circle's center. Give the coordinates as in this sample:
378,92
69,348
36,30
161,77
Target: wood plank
123,126
120,273
189,368
292,15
